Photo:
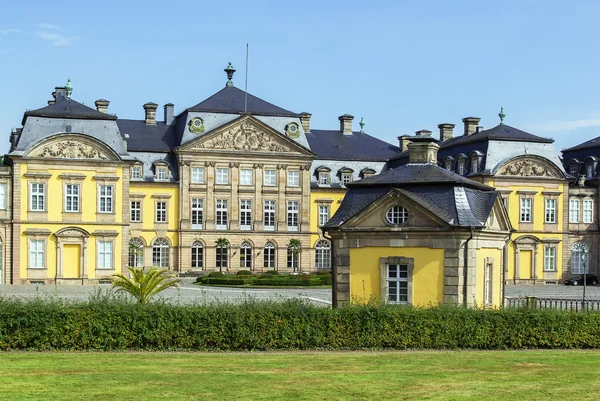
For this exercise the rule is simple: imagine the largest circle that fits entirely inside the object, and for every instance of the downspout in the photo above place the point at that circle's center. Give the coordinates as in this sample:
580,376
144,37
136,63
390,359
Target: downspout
504,268
466,268
334,301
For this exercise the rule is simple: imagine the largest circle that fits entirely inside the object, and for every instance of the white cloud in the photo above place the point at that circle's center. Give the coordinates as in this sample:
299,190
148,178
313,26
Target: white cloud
563,125
56,39
51,27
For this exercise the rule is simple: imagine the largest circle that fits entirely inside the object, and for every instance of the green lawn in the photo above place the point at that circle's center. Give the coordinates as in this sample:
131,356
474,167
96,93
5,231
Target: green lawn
430,375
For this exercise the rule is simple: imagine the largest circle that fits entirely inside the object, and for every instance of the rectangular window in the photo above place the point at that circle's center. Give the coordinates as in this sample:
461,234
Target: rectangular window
574,211
72,198
37,197
197,175
3,194
397,283
222,176
270,178
269,258
487,284
245,177
161,173
105,198
549,259
323,178
573,171
161,212
461,167
197,257
269,215
136,211
293,178
197,214
292,261
105,255
245,214
474,165
590,170
588,211
550,211
505,202
221,218
323,215
346,178
292,215
525,210
222,259
136,173
36,254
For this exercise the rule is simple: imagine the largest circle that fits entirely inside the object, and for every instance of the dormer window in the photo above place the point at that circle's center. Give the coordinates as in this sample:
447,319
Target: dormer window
573,170
590,170
590,166
367,172
346,175
136,172
461,164
323,175
448,165
475,161
161,173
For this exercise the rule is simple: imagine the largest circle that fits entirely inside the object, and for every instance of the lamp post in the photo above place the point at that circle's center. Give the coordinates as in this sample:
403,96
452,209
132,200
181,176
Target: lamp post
584,259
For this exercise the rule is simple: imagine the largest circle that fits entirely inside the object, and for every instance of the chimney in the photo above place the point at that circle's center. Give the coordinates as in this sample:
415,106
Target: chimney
59,90
346,124
470,125
446,131
169,109
15,135
150,109
423,148
403,141
102,105
305,121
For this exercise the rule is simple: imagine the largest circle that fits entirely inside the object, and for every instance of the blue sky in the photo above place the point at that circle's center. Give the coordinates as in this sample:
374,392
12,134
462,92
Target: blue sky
402,65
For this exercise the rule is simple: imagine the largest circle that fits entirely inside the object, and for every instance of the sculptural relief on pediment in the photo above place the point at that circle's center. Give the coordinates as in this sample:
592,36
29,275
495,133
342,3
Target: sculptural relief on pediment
69,149
243,137
528,168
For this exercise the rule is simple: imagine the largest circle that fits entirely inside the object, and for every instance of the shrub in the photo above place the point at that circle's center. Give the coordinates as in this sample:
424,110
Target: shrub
244,273
226,281
216,274
271,273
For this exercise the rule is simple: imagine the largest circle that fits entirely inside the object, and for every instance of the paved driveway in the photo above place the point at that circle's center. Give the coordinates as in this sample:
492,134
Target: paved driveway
187,293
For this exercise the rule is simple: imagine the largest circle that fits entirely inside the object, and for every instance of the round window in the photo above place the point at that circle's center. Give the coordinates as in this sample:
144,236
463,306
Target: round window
397,215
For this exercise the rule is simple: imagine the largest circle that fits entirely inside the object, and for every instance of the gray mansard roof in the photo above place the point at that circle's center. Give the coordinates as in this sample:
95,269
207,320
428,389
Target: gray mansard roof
68,108
334,145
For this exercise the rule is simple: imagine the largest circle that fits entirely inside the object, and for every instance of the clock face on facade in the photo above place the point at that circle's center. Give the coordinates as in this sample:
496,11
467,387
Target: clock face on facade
196,125
292,130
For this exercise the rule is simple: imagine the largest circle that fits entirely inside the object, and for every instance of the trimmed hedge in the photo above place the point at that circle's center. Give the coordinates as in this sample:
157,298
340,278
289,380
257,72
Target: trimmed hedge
110,325
287,281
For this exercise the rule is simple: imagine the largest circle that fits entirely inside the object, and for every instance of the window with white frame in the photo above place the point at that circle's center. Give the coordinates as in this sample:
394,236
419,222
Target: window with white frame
397,283
550,211
573,170
487,284
346,178
197,255
588,211
197,214
136,252
36,254
72,198
222,176
324,178
292,260
590,170
245,177
293,178
474,165
448,164
136,173
461,166
135,209
580,258
270,178
397,215
3,195
37,197
161,212
505,202
269,256
573,210
246,256
323,254
160,253
197,175
292,215
525,210
549,258
269,215
105,198
222,214
245,214
161,174
222,258
105,254
323,214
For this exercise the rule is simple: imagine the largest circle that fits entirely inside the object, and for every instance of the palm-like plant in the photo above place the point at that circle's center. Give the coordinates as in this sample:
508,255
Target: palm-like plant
294,247
222,243
144,285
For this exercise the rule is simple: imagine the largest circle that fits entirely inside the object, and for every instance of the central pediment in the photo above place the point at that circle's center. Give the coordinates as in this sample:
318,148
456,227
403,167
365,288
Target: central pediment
246,134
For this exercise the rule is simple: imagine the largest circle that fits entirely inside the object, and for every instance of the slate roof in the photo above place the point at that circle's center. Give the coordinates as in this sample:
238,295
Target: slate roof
68,108
231,100
334,145
592,143
500,132
148,137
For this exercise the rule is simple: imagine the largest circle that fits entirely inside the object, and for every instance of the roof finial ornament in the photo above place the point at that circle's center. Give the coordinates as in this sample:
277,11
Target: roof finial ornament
362,125
69,88
229,70
502,115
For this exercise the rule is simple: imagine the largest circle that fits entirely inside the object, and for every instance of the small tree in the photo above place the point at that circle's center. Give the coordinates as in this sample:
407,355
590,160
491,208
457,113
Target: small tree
222,254
294,248
144,285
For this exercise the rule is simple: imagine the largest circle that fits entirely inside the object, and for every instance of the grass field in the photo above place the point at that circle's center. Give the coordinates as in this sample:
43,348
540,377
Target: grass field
455,375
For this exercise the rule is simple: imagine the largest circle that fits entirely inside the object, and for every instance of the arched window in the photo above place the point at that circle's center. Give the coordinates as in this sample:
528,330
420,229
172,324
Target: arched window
136,252
580,256
246,256
269,256
197,255
160,253
323,254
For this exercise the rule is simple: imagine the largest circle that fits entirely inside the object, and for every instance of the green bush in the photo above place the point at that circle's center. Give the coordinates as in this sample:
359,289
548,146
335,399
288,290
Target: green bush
244,273
216,274
226,281
271,272
289,281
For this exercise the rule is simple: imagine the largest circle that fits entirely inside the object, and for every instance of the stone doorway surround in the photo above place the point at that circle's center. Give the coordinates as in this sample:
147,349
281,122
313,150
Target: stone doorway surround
526,243
76,236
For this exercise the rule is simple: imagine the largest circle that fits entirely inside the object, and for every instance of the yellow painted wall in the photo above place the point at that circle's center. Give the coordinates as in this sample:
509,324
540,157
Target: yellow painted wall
428,274
496,276
315,194
148,209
